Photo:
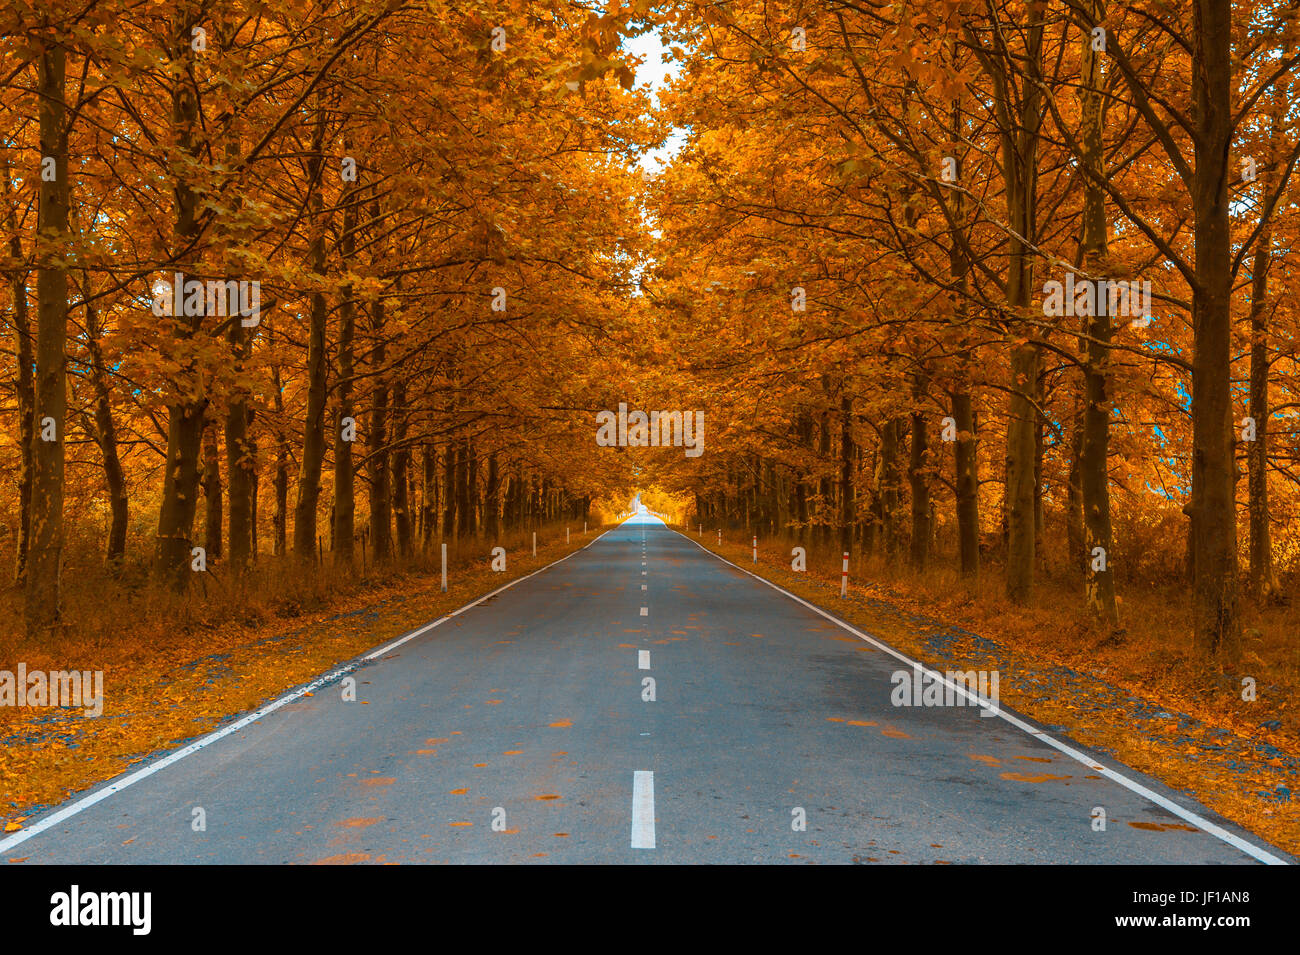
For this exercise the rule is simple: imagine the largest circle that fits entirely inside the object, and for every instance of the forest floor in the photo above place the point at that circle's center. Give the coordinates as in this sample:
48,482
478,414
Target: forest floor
163,690
1143,699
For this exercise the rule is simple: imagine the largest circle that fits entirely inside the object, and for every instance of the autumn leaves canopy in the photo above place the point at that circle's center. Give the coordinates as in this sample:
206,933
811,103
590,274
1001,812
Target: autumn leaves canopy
844,267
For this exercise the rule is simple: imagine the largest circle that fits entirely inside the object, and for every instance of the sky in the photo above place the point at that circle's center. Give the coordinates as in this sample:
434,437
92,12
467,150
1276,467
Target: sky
651,75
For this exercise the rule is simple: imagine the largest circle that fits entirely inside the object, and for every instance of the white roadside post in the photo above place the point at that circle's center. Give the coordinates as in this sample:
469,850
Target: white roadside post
756,549
566,535
719,536
534,543
444,567
844,577
584,527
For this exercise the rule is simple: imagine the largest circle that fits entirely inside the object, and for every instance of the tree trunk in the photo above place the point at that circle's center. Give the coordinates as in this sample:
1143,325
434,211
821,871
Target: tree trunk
280,481
1094,458
965,451
211,492
241,454
345,426
917,477
889,485
429,495
846,471
1264,585
187,410
106,438
492,503
462,489
966,455
313,435
1074,489
24,386
172,562
449,491
401,472
801,480
381,500
45,555
251,443
1213,501
472,499
1020,158
821,536
241,463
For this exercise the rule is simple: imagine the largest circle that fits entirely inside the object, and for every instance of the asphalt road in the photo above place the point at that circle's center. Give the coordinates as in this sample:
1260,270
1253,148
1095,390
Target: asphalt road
522,730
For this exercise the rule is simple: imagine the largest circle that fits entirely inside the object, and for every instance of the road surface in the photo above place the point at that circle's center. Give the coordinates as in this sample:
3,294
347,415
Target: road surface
523,730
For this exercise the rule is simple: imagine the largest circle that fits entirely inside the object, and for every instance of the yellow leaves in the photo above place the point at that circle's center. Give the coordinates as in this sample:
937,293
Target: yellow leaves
715,14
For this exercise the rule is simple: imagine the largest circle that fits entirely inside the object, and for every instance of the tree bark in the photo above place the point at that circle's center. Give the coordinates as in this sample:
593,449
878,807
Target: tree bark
344,476
462,489
966,455
429,495
846,471
25,387
449,491
1099,576
381,495
917,477
492,503
1213,501
472,494
1074,488
889,485
401,472
106,438
211,492
1020,158
280,480
241,462
1264,585
188,406
965,450
313,436
45,555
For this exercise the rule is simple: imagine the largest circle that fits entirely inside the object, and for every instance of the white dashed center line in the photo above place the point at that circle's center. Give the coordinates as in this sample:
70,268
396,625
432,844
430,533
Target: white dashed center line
643,659
643,809
645,611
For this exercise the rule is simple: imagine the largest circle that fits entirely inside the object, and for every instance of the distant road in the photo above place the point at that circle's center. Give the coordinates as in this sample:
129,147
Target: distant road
517,731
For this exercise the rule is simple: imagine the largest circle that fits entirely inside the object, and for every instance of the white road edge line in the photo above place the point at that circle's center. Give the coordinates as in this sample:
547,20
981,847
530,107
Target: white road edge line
1131,784
101,794
643,809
